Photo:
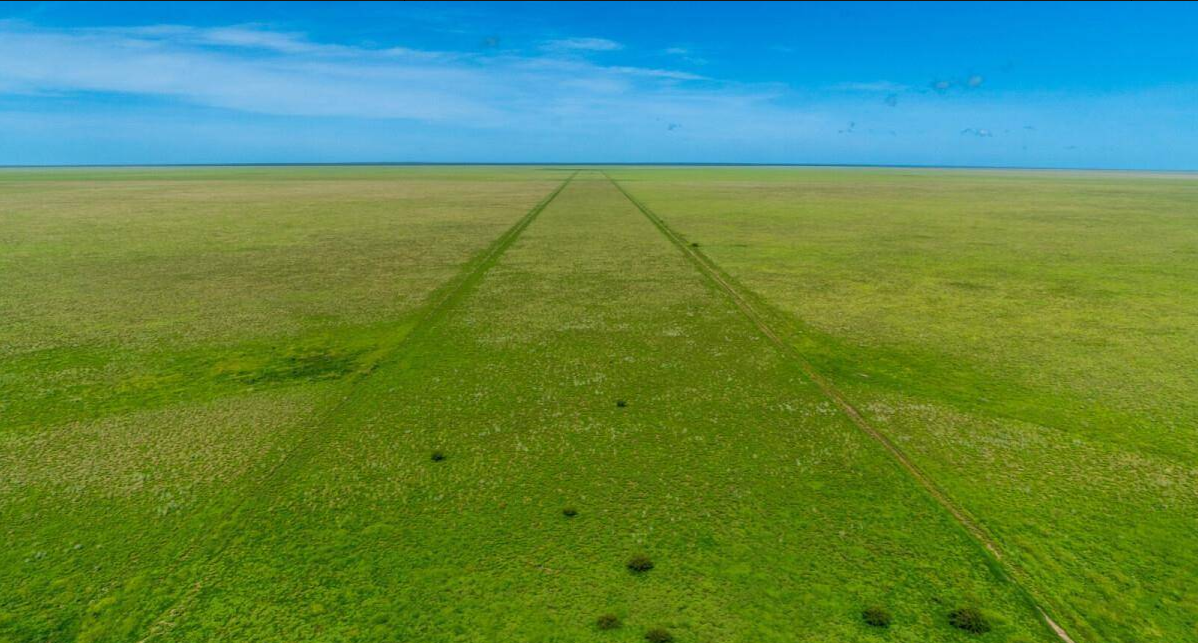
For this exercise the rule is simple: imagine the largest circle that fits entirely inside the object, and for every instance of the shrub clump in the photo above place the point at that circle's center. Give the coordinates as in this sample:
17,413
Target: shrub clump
876,616
437,455
694,244
569,512
621,404
659,635
607,622
640,563
969,619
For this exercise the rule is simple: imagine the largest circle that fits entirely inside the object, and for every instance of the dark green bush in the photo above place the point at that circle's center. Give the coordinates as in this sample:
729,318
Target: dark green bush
640,563
438,455
659,635
969,619
607,622
876,616
621,403
569,512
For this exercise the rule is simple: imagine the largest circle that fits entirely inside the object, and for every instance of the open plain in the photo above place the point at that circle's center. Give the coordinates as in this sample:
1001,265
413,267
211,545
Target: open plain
550,403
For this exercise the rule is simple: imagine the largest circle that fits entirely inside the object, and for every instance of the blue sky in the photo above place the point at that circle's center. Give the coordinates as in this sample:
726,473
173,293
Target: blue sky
1108,85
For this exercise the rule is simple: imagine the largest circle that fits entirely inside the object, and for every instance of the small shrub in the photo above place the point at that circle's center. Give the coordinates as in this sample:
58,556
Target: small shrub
876,616
969,619
607,622
621,404
569,512
640,563
659,635
437,455
694,244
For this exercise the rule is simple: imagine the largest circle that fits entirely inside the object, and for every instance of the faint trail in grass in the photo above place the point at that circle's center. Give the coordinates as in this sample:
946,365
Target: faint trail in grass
717,276
439,307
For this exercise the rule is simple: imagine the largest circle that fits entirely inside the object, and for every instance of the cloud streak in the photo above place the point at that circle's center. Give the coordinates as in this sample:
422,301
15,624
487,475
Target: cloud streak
185,93
880,86
305,86
583,44
251,69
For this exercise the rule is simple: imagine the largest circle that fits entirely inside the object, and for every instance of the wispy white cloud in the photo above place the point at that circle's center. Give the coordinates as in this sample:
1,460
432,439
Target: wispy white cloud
258,70
318,100
582,44
881,86
241,36
657,73
685,54
944,85
305,80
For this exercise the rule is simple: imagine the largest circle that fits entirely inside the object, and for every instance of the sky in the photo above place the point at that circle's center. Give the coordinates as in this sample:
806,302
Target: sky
1079,85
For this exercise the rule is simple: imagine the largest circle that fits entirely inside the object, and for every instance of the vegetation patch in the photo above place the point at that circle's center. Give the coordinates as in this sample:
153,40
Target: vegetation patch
876,616
659,635
970,619
607,621
304,364
640,564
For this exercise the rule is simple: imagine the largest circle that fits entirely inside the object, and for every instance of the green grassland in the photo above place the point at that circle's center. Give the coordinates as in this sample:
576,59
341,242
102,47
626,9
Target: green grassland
167,335
222,389
1030,339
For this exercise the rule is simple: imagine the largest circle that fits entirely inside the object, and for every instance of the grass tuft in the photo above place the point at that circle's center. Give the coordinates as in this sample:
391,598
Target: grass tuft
876,616
640,563
659,635
607,621
969,619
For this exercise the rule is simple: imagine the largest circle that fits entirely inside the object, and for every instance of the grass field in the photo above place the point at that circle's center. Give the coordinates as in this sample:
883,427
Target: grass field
1030,339
453,403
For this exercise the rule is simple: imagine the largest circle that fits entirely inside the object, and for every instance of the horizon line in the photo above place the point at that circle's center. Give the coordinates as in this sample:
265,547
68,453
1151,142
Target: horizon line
17,166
